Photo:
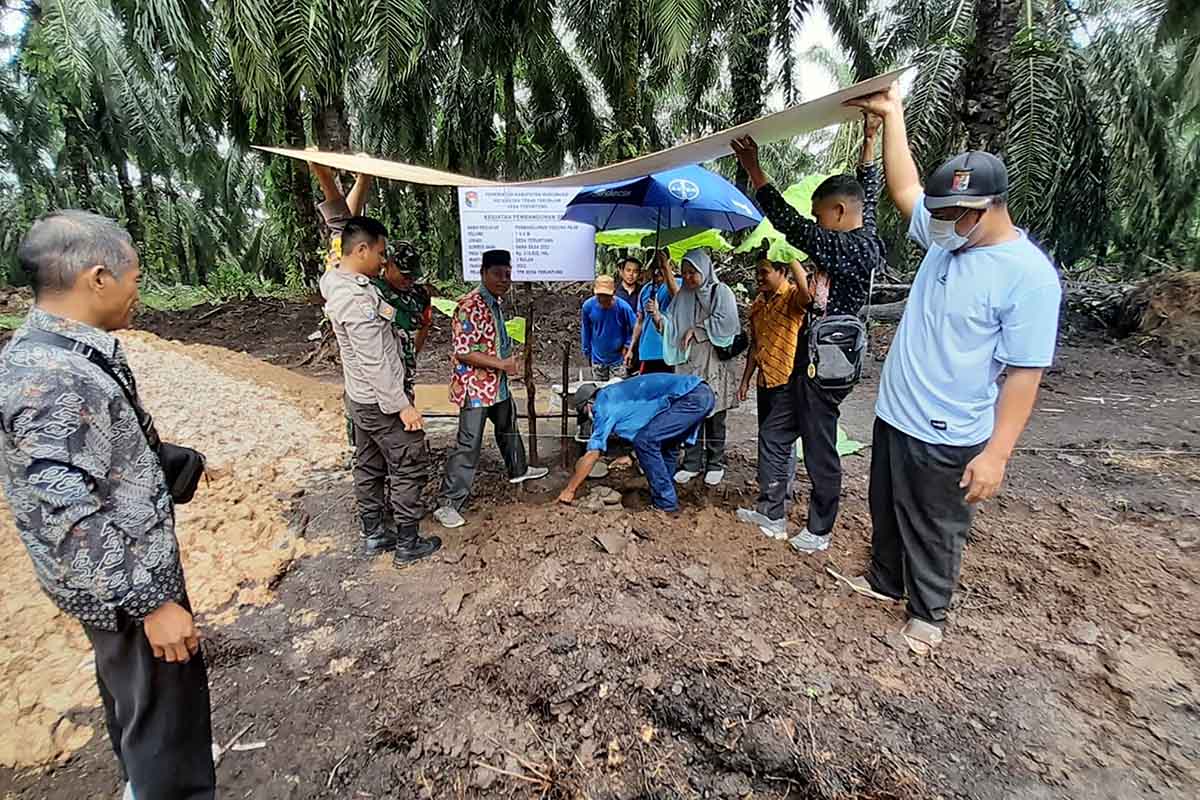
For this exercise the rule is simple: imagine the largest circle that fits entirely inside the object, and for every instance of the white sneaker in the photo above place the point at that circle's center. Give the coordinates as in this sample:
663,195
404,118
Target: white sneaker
714,477
128,793
807,542
531,474
683,476
751,517
775,529
449,518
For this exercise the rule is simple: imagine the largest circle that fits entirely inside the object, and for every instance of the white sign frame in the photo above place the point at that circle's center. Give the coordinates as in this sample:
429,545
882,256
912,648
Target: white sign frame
527,222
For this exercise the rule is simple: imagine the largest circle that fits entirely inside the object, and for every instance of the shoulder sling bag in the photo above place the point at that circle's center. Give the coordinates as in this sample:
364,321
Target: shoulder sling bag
836,345
182,466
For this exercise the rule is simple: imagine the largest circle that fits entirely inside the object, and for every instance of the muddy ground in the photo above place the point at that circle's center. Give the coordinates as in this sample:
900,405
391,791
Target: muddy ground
699,659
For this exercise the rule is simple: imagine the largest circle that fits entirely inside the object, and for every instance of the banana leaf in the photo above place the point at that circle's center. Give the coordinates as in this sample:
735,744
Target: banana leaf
515,326
711,238
845,445
799,197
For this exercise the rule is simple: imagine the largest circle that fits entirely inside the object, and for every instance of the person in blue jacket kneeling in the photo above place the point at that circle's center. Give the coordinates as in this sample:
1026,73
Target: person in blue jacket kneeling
657,413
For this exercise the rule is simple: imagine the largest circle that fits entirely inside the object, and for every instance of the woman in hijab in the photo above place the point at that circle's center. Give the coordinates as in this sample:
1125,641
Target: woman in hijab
703,316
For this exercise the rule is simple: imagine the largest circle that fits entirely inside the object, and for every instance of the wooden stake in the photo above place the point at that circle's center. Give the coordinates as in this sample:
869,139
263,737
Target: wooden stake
564,443
530,388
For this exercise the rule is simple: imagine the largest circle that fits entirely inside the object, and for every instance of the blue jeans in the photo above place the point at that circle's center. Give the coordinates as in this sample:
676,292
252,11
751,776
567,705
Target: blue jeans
657,443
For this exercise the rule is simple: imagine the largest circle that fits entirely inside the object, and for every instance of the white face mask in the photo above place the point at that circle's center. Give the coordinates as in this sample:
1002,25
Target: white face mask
942,232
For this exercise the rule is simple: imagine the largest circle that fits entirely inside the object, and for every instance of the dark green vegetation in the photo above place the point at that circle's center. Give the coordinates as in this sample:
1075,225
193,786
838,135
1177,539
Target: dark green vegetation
143,110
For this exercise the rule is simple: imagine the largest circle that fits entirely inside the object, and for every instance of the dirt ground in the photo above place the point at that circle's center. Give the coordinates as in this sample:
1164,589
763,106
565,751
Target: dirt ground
682,657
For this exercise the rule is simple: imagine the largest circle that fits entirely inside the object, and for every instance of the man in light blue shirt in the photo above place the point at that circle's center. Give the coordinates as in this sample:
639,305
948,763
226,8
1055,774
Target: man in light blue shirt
657,413
985,301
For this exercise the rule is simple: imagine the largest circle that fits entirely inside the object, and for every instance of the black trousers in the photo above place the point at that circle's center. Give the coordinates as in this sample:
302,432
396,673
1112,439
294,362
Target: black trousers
157,714
708,453
460,467
817,413
919,519
777,432
391,466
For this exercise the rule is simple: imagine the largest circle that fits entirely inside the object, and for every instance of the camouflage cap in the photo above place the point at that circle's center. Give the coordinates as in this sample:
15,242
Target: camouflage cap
406,259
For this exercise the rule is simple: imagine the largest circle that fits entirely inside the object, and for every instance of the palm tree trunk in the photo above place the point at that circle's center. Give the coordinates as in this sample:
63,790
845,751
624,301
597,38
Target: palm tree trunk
333,125
987,78
307,234
133,217
748,68
149,193
510,123
78,162
626,113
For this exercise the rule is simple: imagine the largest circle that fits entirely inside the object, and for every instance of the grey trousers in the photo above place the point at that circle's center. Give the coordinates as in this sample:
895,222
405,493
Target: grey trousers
460,467
708,453
602,373
919,519
387,457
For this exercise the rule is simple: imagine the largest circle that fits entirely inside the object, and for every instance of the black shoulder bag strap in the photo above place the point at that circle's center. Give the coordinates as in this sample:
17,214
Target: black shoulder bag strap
145,421
182,466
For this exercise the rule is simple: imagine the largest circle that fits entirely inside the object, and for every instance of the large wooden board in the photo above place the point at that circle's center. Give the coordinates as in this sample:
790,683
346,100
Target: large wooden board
803,118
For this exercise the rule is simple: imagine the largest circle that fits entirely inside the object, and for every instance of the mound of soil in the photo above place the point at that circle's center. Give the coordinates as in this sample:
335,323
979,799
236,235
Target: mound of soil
1166,310
288,333
606,651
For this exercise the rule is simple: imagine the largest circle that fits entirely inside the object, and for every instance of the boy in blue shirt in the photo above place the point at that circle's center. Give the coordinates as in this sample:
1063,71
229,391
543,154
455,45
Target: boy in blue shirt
657,413
606,329
985,301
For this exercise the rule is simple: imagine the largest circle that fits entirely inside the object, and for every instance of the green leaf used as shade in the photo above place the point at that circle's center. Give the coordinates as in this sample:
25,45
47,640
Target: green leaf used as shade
845,446
799,197
516,329
445,305
712,239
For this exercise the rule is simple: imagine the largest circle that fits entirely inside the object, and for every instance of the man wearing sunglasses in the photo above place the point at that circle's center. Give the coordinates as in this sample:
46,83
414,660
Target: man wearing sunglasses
985,302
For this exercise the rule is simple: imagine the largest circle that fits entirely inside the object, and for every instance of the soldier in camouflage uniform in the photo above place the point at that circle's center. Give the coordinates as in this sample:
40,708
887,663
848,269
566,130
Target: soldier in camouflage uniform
411,311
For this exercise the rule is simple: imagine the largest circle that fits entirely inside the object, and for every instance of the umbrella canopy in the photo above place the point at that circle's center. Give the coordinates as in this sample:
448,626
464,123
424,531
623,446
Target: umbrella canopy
688,196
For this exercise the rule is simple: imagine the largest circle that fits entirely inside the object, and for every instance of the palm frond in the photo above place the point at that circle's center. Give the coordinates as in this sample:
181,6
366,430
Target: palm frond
846,17
676,23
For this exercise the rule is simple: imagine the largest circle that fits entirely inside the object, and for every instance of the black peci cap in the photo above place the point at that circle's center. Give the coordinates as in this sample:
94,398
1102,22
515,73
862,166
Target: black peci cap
497,258
970,180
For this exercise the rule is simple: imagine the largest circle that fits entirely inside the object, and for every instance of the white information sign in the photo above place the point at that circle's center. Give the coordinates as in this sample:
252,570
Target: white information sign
526,221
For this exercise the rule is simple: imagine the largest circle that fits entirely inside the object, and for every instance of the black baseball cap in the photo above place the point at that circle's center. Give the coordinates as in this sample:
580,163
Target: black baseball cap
584,393
970,180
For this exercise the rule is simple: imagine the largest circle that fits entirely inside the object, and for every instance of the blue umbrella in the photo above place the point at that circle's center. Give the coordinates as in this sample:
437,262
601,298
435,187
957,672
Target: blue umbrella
688,196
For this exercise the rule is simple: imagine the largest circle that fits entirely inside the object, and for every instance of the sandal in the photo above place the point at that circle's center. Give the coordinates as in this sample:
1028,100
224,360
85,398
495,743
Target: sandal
861,586
921,636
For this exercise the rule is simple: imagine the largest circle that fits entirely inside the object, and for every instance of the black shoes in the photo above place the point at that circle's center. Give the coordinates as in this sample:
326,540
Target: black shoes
410,547
377,536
